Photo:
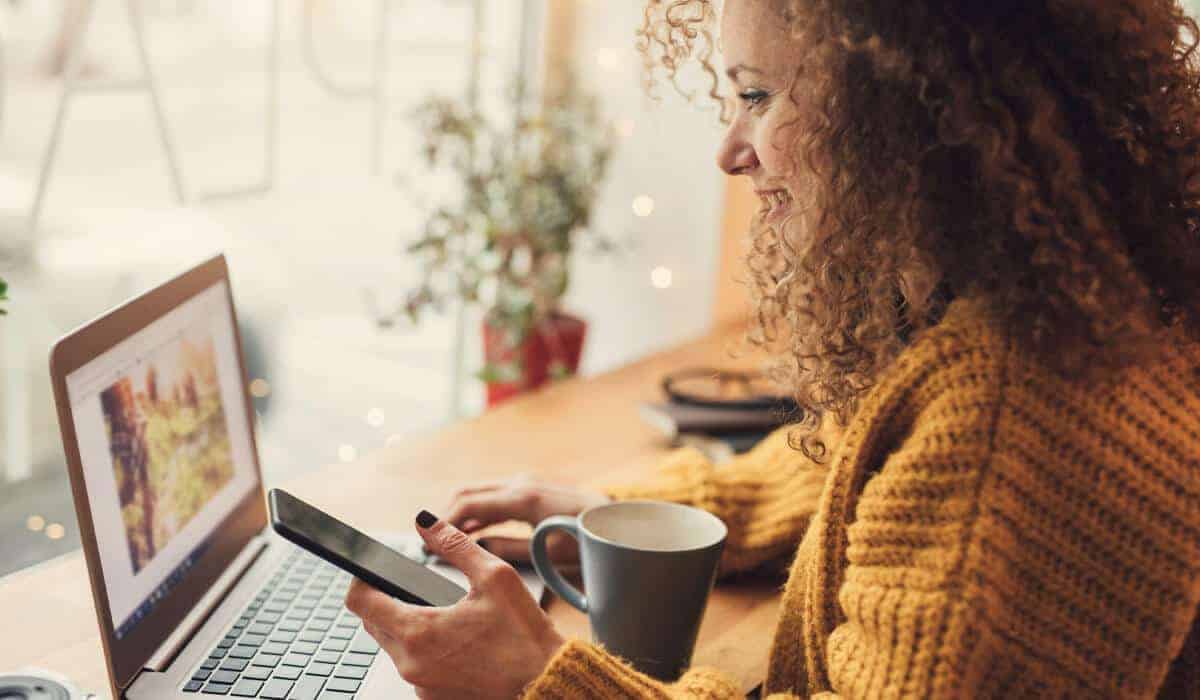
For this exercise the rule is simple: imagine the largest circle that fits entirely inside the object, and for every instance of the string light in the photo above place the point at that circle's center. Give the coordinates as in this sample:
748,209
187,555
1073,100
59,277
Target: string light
625,127
35,523
347,453
259,388
643,205
55,531
660,277
375,417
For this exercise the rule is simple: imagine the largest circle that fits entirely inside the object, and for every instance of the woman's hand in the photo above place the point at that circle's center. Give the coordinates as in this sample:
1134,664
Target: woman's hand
526,499
490,644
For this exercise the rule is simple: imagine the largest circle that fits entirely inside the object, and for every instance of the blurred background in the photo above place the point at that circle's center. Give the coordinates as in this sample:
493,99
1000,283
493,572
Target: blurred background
282,133
138,137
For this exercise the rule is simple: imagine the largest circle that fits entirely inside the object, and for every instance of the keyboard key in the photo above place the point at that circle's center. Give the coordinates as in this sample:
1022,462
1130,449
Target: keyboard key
352,659
342,633
242,651
335,645
307,688
325,614
219,653
275,689
268,618
283,637
247,688
257,673
328,657
254,640
259,628
268,660
227,642
307,648
334,695
216,689
290,625
290,673
355,672
364,644
346,685
210,663
275,606
192,686
275,648
223,677
201,675
312,636
295,660
234,665
319,669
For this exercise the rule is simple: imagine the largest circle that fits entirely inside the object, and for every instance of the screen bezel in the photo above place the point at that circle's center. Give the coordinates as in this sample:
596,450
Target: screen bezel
127,656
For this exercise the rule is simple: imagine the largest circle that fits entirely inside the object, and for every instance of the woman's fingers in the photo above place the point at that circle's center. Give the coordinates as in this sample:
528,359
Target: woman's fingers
488,508
561,548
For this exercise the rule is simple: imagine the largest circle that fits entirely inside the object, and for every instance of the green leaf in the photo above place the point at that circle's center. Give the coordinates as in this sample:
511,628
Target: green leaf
500,373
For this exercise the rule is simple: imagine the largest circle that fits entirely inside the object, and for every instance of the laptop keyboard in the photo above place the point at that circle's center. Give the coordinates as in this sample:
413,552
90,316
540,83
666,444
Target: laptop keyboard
294,641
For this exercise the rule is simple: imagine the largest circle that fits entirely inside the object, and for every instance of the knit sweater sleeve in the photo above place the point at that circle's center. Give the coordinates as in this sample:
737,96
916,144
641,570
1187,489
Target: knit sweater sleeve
765,497
584,671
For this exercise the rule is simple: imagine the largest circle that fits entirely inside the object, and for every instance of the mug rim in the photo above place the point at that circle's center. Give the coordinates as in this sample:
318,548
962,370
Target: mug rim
579,519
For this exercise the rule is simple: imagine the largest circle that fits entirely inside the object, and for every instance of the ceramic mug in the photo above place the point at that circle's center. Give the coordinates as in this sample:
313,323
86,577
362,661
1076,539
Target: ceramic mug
648,567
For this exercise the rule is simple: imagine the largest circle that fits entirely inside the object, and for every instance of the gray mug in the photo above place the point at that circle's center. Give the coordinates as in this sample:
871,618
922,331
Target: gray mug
648,567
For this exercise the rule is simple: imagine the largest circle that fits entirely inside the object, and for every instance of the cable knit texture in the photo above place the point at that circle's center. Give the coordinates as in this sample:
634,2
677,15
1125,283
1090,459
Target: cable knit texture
984,529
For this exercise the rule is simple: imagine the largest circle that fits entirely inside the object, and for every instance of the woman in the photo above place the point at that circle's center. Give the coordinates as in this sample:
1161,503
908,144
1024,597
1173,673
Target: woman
997,490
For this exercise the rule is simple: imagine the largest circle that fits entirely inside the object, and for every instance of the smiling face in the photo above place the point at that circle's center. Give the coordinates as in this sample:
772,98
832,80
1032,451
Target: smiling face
762,60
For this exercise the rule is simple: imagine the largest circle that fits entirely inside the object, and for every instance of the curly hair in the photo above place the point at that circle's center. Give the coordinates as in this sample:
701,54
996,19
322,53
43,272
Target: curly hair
1038,156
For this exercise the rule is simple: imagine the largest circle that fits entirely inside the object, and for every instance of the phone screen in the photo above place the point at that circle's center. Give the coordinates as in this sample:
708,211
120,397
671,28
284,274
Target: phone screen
355,552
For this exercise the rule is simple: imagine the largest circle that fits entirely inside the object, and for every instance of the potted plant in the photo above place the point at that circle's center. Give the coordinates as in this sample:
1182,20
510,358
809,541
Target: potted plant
504,241
3,293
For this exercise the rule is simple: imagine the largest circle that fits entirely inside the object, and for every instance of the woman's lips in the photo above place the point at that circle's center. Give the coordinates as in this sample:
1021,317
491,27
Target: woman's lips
775,204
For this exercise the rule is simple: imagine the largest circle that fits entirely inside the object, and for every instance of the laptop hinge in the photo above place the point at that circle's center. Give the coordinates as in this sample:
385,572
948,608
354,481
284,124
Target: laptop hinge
173,644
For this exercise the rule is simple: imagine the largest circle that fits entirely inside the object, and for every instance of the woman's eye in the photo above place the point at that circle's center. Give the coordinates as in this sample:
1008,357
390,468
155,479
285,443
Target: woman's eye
752,97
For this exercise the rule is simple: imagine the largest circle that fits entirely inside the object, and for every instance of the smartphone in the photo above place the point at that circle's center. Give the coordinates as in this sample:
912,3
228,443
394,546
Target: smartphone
350,550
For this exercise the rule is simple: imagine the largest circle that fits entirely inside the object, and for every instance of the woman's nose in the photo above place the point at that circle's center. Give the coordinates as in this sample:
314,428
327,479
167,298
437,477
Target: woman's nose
736,156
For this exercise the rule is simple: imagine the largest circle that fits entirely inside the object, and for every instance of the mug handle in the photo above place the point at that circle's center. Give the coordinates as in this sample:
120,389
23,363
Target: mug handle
541,560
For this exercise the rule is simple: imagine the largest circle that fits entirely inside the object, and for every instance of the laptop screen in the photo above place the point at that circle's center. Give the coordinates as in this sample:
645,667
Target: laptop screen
166,449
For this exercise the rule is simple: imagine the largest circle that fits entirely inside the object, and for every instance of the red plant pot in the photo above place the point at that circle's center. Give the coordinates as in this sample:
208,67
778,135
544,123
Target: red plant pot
557,339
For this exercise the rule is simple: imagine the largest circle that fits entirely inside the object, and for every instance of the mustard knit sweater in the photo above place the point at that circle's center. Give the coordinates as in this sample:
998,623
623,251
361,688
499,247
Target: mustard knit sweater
983,529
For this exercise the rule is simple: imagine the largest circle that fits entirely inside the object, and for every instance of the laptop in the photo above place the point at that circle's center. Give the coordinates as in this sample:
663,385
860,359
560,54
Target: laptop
194,594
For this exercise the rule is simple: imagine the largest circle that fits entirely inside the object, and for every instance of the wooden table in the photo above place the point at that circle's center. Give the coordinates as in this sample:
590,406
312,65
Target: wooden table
582,431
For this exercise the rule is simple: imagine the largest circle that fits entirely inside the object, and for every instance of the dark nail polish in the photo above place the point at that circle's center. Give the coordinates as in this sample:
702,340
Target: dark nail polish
485,545
426,519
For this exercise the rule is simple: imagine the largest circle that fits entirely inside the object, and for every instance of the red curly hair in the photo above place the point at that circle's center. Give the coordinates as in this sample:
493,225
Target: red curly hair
1040,156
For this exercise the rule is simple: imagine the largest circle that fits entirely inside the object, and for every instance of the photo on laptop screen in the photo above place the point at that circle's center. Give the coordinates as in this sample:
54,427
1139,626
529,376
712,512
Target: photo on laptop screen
166,448
166,430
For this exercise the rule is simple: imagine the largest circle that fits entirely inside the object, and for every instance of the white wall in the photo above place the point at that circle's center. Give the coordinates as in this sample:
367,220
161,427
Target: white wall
668,154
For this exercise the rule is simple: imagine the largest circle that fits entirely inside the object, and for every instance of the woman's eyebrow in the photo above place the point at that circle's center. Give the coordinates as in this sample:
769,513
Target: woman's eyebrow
733,71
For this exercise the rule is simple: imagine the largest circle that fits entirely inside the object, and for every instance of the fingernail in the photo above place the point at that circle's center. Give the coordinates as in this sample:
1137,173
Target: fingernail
426,519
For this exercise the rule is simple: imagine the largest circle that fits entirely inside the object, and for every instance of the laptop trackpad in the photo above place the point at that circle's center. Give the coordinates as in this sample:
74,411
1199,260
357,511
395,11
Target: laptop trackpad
384,682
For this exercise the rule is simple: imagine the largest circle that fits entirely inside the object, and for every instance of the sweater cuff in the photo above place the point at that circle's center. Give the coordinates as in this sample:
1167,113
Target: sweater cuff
584,671
680,478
